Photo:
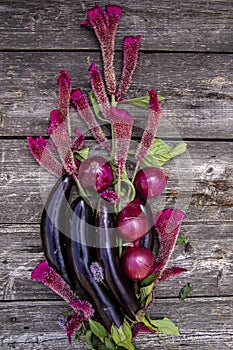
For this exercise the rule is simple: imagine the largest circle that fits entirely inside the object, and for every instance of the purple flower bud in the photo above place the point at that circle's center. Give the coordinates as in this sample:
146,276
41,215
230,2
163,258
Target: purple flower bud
78,141
80,102
131,47
41,151
123,125
151,126
110,196
97,271
99,90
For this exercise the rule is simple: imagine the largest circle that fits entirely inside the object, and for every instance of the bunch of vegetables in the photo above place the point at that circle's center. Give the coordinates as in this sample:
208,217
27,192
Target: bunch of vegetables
105,250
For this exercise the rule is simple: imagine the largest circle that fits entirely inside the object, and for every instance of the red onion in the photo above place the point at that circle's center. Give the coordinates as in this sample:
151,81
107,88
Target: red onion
138,263
95,174
132,222
150,182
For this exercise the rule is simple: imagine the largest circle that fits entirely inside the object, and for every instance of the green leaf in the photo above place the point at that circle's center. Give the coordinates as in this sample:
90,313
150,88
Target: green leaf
88,336
165,326
148,280
82,154
182,240
109,344
145,291
160,153
185,291
148,300
94,103
98,330
142,101
122,336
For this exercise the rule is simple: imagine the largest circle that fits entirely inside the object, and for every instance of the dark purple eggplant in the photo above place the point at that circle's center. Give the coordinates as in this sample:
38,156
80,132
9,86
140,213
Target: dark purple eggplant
82,255
108,254
52,224
150,240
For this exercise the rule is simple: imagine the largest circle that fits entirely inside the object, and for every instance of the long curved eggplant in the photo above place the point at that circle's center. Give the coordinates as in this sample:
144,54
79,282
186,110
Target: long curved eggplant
52,224
150,240
108,253
82,255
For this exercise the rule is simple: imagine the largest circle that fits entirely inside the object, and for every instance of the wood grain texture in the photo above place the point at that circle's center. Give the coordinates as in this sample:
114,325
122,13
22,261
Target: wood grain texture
192,25
204,323
198,90
208,258
25,186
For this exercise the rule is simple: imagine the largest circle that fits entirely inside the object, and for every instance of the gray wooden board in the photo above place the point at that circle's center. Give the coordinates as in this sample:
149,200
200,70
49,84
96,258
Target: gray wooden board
208,257
205,323
174,26
198,90
25,186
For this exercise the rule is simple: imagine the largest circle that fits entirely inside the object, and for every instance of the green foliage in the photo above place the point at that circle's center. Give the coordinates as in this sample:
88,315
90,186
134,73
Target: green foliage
82,154
143,101
182,240
160,153
165,326
185,291
98,330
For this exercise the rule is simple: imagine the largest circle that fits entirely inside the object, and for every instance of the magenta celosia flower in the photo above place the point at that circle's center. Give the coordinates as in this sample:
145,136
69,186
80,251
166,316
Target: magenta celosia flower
151,126
99,90
110,196
64,91
58,131
85,112
123,125
83,310
167,225
105,25
49,277
131,47
140,328
171,272
41,151
78,140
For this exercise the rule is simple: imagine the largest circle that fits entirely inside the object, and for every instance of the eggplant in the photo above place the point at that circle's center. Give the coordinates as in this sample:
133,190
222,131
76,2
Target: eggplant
150,240
108,254
52,224
82,255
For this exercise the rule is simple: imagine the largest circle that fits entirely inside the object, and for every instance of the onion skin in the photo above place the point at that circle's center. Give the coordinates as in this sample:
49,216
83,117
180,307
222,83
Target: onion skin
108,254
52,226
132,222
150,182
138,263
95,174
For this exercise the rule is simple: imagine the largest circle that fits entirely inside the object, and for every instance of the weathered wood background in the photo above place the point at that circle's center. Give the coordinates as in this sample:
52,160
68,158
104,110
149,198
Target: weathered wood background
186,54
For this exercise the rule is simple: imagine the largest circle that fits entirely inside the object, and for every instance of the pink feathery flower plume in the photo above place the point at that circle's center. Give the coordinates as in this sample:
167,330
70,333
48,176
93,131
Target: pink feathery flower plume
41,151
122,125
105,25
83,310
151,126
99,90
58,131
85,112
131,47
64,91
167,224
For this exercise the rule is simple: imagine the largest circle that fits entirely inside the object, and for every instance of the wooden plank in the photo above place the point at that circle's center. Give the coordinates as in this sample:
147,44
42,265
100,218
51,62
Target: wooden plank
204,323
208,258
174,26
25,185
198,88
